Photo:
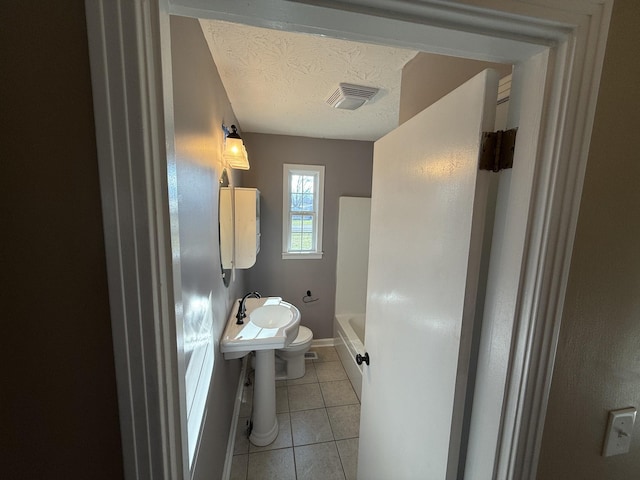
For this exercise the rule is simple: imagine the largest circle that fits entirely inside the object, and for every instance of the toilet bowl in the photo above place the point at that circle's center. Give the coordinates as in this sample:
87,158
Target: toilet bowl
290,360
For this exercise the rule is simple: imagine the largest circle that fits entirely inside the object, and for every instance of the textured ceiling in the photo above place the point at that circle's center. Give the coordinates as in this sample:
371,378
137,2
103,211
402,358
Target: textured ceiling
278,82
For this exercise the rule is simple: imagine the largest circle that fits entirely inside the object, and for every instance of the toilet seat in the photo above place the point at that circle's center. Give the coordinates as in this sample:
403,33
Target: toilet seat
305,335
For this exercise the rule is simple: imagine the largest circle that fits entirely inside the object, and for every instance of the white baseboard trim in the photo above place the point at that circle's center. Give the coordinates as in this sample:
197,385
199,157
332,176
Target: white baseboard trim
323,342
226,472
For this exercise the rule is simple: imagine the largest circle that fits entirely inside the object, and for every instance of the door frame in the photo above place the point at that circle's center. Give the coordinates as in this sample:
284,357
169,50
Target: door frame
129,43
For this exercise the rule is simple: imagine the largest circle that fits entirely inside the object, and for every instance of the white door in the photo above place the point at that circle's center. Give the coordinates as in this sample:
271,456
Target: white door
427,218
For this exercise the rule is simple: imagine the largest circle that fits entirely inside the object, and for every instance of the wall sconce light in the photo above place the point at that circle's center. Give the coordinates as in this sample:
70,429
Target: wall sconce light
235,154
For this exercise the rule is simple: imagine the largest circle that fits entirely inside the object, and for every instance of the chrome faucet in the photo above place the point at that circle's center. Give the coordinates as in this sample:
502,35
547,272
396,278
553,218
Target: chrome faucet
241,307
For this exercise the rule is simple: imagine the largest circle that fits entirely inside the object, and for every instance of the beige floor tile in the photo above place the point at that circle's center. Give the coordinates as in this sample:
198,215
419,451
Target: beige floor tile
282,400
318,462
239,467
272,465
345,421
309,376
325,354
283,439
304,397
310,426
338,393
241,444
348,450
306,425
330,371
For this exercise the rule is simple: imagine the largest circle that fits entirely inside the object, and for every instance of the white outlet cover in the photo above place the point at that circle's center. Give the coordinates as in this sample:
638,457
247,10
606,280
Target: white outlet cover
617,439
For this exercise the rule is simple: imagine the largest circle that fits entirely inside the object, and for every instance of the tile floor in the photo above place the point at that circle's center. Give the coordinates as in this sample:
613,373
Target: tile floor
319,421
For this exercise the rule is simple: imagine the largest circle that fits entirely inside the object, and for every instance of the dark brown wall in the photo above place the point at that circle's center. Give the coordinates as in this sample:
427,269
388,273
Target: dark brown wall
598,361
58,388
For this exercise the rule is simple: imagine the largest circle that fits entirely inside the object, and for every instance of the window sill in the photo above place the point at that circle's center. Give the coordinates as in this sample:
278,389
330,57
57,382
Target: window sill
302,256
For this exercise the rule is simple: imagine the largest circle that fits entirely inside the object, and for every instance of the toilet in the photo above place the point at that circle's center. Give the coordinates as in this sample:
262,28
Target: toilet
290,360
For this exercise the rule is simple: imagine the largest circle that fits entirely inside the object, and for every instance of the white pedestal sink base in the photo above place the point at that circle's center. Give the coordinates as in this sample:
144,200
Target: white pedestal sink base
265,422
270,324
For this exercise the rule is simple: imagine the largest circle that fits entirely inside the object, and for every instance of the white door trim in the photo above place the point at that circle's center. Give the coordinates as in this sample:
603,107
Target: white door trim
129,101
129,115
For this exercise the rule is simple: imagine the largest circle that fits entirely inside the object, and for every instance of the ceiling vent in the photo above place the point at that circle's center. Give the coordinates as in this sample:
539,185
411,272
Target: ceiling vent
350,97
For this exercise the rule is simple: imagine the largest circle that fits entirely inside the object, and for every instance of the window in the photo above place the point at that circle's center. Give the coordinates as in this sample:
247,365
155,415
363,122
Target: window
303,194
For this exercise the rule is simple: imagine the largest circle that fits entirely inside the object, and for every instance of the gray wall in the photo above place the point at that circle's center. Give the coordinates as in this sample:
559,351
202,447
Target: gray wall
200,107
348,168
598,360
427,78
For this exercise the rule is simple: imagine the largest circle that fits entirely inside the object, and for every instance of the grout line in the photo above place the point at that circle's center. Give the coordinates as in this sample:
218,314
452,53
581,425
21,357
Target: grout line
293,450
293,447
344,471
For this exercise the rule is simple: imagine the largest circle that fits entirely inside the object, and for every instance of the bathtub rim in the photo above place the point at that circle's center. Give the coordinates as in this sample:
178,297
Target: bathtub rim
348,345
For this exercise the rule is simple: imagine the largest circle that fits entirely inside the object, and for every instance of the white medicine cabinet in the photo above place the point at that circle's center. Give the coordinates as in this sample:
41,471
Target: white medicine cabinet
247,226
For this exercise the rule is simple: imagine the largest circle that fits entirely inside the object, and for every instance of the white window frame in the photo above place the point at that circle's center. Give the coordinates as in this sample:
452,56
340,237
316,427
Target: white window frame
317,171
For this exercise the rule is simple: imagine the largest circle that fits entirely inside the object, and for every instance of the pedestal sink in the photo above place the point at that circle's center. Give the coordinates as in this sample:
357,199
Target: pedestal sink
271,323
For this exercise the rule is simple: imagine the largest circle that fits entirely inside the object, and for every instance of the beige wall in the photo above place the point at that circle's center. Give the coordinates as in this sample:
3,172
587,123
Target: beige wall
427,78
348,169
58,404
598,360
201,107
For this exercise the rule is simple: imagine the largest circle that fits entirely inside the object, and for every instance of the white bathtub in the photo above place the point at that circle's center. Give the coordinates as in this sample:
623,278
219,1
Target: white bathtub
348,331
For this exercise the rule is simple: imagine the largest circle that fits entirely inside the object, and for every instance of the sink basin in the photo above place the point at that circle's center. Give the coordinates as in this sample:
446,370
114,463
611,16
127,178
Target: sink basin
271,323
271,316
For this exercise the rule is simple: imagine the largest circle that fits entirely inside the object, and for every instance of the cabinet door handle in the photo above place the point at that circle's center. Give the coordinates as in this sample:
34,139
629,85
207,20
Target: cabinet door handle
361,358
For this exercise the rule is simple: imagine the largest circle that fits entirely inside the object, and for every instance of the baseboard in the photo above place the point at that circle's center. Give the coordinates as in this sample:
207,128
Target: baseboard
323,342
226,472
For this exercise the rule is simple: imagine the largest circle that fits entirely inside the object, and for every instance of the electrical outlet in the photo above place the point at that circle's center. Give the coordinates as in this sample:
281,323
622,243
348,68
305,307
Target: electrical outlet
617,440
